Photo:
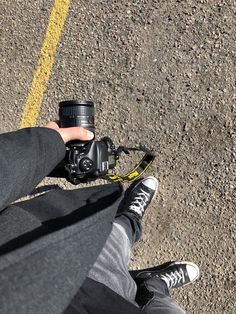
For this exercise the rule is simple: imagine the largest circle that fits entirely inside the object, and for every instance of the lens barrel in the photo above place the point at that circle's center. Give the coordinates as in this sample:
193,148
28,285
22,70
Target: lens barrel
77,113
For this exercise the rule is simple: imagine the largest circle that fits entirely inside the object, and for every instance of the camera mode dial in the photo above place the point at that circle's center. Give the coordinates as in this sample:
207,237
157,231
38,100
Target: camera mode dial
86,164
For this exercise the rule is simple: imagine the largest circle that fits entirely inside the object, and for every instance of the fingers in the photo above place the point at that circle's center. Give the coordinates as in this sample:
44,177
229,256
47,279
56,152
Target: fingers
70,134
75,133
52,125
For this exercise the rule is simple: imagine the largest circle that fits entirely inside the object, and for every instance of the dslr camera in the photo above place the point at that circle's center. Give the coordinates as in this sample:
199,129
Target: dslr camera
84,160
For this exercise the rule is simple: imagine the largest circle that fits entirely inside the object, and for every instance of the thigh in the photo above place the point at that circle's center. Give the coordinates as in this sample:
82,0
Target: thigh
111,267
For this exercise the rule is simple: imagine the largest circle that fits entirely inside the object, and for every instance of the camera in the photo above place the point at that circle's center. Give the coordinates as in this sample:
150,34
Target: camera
84,160
89,160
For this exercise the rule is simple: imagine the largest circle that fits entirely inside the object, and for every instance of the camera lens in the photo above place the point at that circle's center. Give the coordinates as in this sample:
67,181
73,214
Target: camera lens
77,113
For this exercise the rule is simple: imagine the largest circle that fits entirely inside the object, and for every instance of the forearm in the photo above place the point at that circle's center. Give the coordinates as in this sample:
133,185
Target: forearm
26,157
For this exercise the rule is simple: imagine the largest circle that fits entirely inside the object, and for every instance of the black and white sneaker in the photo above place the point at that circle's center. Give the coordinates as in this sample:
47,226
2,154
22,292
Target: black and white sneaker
141,196
174,274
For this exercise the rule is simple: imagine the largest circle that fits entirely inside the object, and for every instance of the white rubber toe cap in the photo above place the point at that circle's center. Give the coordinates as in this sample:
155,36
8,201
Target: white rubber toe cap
193,272
151,183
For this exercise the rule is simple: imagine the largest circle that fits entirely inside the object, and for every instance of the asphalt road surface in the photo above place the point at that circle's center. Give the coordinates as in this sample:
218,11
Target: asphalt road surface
161,73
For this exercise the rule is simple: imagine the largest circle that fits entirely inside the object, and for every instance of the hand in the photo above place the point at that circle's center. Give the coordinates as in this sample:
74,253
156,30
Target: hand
69,134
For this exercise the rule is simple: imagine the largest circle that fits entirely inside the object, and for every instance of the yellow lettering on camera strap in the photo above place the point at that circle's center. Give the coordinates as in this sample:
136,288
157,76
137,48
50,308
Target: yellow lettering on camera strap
137,171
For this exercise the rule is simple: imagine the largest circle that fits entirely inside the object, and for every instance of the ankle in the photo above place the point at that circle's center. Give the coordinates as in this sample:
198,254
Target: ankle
132,224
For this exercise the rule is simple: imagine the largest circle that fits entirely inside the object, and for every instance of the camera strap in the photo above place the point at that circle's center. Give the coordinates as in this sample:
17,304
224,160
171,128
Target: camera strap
139,168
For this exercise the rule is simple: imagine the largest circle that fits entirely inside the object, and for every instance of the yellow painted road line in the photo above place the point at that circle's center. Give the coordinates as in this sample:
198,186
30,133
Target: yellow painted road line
33,102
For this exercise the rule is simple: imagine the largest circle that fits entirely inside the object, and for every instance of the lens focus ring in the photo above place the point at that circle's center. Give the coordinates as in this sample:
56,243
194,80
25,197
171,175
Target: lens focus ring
69,108
77,113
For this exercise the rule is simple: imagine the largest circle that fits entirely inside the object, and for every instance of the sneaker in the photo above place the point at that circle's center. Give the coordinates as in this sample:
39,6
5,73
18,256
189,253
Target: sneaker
141,196
174,274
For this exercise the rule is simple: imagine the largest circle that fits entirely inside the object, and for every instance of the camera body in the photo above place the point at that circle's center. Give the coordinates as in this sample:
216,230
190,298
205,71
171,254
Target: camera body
89,160
85,160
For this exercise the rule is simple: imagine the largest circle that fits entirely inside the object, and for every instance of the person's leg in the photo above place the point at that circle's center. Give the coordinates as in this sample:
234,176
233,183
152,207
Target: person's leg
155,283
111,267
157,298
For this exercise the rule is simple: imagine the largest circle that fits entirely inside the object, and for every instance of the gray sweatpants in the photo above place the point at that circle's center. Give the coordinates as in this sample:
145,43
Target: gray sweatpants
111,269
